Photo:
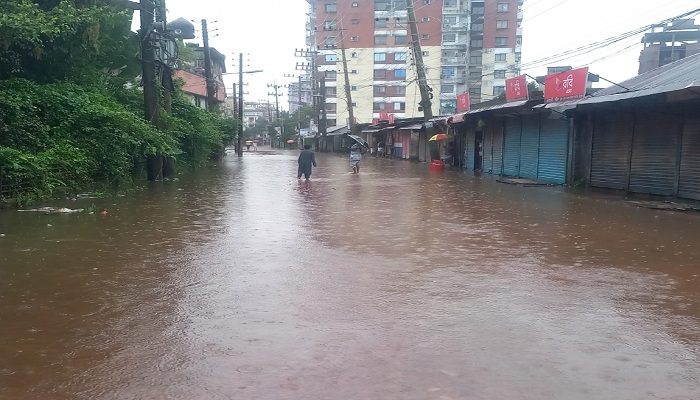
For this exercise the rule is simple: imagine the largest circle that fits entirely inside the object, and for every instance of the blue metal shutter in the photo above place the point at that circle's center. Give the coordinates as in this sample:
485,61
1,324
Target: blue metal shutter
554,150
529,147
497,151
689,179
469,150
655,152
612,135
511,147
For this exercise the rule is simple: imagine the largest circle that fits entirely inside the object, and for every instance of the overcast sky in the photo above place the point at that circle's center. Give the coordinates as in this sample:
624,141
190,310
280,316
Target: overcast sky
267,32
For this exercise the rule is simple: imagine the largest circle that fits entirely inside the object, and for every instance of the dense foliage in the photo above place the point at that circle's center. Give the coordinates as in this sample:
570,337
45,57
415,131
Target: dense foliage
71,111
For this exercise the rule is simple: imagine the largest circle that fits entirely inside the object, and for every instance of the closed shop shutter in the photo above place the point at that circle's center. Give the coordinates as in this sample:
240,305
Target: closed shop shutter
511,148
488,149
689,182
423,154
655,152
554,149
497,152
610,154
529,147
469,150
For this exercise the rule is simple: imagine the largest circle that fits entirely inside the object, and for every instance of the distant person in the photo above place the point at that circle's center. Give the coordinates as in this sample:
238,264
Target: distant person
247,146
450,153
255,146
307,159
381,147
355,157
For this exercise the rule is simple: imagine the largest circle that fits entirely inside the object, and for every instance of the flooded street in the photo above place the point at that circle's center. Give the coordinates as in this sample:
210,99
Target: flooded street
239,282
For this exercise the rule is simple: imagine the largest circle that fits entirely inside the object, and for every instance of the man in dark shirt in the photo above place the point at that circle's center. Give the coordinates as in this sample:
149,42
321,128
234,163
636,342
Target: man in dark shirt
307,158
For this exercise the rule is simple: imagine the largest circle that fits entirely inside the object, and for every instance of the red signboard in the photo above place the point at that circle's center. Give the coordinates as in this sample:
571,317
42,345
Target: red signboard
567,85
383,116
391,118
516,88
463,102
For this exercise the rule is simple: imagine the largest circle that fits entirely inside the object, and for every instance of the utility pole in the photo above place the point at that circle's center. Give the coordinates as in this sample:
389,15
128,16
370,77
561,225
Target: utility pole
167,84
425,90
207,66
348,95
239,142
154,163
322,108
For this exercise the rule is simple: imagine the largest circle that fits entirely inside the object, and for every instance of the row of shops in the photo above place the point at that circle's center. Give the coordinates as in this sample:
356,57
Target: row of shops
641,136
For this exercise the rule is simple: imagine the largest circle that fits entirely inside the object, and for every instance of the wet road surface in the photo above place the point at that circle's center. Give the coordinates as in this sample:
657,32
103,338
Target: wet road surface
239,282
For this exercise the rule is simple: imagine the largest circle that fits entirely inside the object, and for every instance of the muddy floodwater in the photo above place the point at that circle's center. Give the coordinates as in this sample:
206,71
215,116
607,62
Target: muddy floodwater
239,282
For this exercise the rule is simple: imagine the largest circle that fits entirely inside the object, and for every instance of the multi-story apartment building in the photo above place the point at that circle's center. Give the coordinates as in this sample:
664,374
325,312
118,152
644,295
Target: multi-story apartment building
466,46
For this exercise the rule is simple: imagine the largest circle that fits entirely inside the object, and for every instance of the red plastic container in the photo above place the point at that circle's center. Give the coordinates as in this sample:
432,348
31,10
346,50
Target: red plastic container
437,166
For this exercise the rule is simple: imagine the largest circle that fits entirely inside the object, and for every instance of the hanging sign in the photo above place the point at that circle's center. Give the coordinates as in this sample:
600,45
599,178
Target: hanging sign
463,102
567,85
516,88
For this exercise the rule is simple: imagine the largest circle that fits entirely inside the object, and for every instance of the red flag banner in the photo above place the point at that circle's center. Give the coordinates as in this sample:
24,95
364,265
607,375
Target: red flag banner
383,116
567,85
391,118
463,102
516,88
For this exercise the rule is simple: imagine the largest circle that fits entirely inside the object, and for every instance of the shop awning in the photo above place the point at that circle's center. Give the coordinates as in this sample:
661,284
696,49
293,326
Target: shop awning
414,127
337,130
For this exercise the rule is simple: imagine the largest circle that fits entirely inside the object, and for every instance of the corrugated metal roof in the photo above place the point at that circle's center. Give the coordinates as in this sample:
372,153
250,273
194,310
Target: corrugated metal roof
678,75
412,127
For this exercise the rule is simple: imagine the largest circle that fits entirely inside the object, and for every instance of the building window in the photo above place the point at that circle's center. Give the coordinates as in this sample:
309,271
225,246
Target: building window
330,25
380,39
501,57
400,39
381,22
379,74
476,43
499,74
425,19
379,90
353,54
447,88
449,3
330,107
425,36
475,91
355,21
379,57
399,106
517,58
331,74
399,90
400,73
498,90
478,10
353,87
355,4
379,106
447,72
382,5
426,53
474,59
331,42
502,24
331,58
330,7
502,7
399,56
475,75
354,38
477,27
426,1
449,37
501,41
331,91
